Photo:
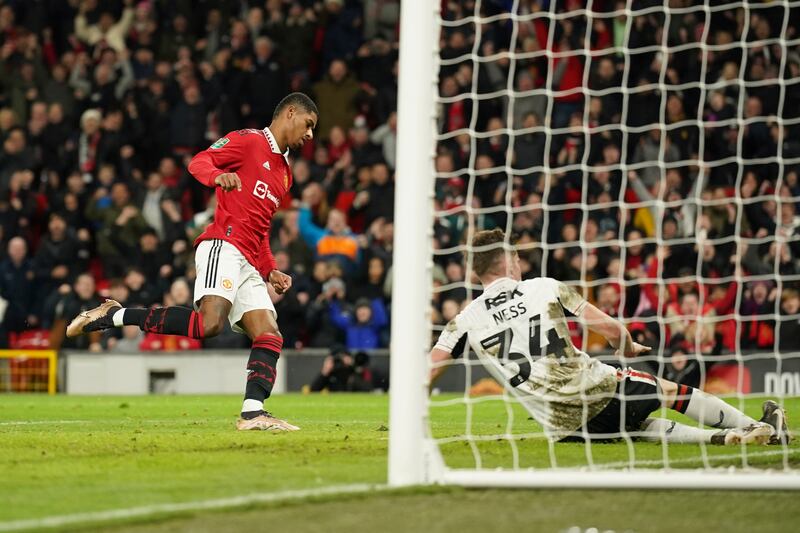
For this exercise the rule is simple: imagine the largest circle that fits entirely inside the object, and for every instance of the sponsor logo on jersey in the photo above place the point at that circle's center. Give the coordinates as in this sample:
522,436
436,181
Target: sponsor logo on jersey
266,165
220,143
227,284
502,298
262,191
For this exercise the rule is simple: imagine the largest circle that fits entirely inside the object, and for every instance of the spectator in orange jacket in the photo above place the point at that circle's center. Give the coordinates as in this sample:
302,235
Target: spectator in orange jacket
335,241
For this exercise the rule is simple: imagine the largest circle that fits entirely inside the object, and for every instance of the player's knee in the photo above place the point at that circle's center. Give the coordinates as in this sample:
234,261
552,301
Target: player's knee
266,331
212,325
669,391
214,311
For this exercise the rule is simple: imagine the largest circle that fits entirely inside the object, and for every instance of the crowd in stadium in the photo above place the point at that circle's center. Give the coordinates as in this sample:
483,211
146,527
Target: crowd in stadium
659,240
102,104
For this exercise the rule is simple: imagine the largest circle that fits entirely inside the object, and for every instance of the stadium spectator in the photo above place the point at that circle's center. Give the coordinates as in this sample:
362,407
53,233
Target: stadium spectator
298,32
789,334
343,372
370,284
120,224
16,156
188,123
61,256
377,199
160,210
686,317
17,283
107,31
82,296
335,96
343,23
335,242
266,82
758,302
129,343
114,95
363,324
177,37
682,367
385,136
608,301
140,292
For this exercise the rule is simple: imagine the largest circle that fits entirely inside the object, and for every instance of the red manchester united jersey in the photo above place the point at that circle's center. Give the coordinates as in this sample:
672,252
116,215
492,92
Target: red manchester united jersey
243,218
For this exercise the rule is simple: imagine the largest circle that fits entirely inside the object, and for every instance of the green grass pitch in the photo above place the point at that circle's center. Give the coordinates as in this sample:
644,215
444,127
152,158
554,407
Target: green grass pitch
64,455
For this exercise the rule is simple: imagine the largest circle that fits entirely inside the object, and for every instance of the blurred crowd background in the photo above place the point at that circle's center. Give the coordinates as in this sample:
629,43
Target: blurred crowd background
102,103
667,191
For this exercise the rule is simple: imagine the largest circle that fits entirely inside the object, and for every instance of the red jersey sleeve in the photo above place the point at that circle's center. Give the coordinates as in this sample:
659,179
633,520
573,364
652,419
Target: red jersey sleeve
225,155
266,261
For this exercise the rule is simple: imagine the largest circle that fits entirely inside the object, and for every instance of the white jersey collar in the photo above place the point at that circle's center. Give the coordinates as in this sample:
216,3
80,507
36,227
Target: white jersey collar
274,144
498,284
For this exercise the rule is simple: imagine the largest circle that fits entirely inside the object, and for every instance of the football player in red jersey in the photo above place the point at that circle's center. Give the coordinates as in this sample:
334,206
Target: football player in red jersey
251,172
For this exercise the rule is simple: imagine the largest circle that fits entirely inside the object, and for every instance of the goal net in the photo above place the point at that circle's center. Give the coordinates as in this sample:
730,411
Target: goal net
645,154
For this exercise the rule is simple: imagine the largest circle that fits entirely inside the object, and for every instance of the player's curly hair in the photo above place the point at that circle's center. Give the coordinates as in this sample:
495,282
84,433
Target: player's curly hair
301,100
488,258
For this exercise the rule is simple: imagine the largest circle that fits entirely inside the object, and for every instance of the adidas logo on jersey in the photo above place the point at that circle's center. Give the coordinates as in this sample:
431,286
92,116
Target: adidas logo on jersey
266,165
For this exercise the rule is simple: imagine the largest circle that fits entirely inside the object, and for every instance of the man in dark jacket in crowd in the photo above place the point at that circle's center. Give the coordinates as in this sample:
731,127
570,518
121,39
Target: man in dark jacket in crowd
60,257
266,82
120,225
16,288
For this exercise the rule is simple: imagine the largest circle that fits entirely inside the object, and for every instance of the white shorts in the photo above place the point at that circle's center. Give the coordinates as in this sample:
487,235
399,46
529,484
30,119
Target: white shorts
223,271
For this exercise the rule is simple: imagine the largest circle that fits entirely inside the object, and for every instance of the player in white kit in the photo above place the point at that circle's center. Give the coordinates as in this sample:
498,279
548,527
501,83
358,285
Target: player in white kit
518,329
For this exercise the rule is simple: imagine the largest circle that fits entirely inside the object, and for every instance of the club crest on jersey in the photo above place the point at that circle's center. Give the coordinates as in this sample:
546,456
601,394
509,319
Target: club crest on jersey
261,190
227,284
220,143
502,298
285,180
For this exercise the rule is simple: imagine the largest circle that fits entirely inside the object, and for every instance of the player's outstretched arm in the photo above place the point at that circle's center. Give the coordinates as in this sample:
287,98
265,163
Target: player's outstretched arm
438,356
613,330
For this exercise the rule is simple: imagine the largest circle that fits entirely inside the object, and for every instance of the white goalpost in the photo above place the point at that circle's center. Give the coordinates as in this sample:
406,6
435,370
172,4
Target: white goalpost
526,127
417,90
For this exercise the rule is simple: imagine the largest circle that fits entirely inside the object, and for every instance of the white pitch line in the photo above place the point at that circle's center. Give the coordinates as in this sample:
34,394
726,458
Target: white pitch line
126,421
162,508
711,458
42,422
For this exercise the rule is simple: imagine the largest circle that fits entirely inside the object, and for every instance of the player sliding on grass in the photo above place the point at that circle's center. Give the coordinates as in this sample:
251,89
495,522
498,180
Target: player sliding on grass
251,172
519,332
